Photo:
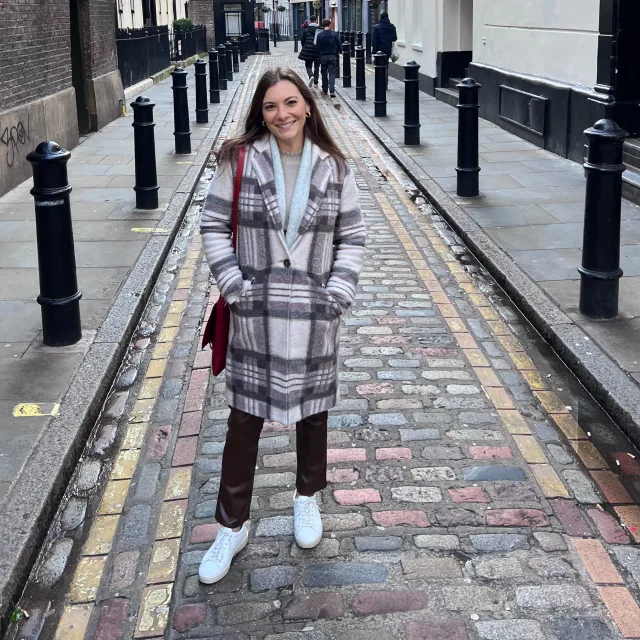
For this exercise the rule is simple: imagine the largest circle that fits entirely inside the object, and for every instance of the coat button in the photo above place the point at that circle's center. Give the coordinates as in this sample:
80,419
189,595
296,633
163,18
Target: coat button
287,263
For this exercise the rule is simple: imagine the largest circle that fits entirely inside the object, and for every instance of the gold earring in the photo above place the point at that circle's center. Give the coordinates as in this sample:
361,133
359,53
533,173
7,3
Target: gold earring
264,124
308,114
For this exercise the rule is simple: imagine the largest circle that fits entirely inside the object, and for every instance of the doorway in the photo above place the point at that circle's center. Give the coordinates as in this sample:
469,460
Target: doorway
77,68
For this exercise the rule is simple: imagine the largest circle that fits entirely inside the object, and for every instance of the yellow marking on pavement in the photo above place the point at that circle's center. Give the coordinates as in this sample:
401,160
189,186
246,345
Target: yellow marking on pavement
154,611
476,357
530,449
134,437
156,367
164,561
535,380
142,410
172,320
86,580
150,388
171,519
161,351
178,306
150,230
549,481
74,622
36,409
167,334
513,421
465,341
551,402
487,377
113,498
571,429
125,465
589,455
499,397
179,483
101,536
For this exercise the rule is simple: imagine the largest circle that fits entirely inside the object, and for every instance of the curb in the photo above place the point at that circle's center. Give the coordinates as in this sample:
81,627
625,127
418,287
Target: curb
618,395
29,506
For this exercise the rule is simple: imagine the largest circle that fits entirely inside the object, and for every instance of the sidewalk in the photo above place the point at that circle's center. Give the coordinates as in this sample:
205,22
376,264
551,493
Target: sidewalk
526,227
463,497
119,251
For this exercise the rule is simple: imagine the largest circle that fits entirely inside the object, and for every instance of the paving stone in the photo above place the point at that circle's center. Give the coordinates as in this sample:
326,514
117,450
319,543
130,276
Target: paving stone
490,453
112,619
498,542
431,568
369,603
372,363
550,541
474,434
548,597
437,542
413,435
133,532
560,454
433,417
454,517
400,518
276,526
88,475
342,521
446,375
73,513
629,558
378,543
350,421
387,419
517,518
356,496
571,517
339,476
477,417
581,486
206,509
609,528
211,486
469,494
510,630
378,475
513,493
274,480
399,363
272,578
344,573
437,630
472,599
576,628
233,614
433,452
459,403
277,442
314,607
399,403
188,616
433,474
492,473
55,563
550,567
416,494
147,481
498,568
123,572
394,453
328,548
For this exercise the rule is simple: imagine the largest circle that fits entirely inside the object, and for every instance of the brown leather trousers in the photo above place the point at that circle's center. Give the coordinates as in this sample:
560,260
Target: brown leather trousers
241,454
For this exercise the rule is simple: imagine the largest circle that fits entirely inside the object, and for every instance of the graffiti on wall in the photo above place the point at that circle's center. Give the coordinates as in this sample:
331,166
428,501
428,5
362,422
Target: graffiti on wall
13,138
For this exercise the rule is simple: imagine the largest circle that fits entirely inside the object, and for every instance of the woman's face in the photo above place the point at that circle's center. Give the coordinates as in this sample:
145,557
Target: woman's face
284,111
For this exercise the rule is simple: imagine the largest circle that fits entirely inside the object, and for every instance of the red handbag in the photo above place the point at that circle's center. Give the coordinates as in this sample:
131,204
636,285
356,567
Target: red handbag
216,333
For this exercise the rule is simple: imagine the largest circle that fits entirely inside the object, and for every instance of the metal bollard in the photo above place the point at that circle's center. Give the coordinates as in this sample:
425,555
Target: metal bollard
235,48
361,80
359,39
368,47
295,42
468,169
346,64
352,43
229,54
145,153
247,45
222,66
181,132
411,104
266,39
202,107
214,78
600,271
380,100
59,297
241,47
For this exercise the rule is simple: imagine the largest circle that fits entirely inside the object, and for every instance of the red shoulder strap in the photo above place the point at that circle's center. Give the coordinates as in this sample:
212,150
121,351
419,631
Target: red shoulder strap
236,193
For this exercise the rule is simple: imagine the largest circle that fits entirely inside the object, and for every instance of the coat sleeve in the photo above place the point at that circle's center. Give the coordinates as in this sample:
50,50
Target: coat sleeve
216,228
395,34
348,246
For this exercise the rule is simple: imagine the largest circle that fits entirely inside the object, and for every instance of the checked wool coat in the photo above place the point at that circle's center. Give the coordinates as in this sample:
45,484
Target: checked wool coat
286,303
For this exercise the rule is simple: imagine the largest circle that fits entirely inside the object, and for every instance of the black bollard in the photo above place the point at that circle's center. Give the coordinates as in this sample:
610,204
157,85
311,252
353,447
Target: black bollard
247,46
59,297
359,39
229,53
235,48
346,64
214,78
368,47
295,42
241,47
182,132
222,66
202,107
600,271
411,104
266,39
352,43
145,153
468,169
361,80
380,100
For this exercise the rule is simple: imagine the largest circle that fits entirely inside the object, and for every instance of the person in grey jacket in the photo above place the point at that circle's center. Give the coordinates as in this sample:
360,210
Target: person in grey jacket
328,44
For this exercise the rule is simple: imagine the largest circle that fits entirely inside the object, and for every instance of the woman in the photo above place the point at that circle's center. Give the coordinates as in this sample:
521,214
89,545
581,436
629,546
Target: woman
300,248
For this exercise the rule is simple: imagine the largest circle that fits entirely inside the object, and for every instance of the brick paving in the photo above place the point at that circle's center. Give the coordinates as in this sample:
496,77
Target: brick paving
465,501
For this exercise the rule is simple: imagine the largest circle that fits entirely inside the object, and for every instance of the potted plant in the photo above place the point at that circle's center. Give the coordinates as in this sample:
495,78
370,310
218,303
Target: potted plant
281,8
183,24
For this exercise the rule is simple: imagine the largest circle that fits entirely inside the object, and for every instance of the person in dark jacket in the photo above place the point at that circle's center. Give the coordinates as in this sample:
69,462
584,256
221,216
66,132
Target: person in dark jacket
384,35
328,44
309,52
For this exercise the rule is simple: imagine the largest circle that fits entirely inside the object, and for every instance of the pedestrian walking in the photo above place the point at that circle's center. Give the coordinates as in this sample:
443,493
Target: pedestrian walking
329,48
300,247
384,35
309,51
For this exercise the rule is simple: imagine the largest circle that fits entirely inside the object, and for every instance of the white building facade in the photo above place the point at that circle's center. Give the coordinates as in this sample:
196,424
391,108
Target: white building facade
548,68
136,14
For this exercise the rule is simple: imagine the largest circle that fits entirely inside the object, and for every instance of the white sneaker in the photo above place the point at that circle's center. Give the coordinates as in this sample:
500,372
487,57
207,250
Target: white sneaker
307,524
217,561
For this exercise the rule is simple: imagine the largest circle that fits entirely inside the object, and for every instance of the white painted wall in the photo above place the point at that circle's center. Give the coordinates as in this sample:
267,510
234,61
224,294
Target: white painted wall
555,39
128,19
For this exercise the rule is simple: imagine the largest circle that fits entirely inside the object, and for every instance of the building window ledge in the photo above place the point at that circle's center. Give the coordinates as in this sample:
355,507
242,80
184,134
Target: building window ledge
401,43
417,47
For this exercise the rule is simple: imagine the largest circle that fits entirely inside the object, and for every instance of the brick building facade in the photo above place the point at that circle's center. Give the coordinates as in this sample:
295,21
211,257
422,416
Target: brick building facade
60,77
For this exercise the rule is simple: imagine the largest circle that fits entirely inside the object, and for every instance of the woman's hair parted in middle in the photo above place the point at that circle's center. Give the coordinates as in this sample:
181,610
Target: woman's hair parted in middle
315,128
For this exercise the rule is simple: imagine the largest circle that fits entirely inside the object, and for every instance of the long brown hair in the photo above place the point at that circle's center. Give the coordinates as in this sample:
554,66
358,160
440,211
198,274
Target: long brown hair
314,127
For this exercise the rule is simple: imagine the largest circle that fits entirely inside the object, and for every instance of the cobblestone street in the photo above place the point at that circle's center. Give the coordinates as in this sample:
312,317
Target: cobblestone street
466,500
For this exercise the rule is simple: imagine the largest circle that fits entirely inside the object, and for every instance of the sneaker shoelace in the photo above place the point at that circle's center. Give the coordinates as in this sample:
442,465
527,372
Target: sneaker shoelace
221,546
307,513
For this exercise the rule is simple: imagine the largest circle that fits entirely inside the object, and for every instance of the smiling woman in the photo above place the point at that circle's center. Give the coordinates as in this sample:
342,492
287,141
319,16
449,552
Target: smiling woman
300,243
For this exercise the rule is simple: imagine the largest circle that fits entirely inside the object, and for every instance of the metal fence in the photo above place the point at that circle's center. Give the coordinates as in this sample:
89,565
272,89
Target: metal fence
141,53
188,42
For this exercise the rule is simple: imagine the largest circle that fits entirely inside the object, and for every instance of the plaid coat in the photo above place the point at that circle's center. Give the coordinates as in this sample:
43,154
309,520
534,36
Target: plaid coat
282,361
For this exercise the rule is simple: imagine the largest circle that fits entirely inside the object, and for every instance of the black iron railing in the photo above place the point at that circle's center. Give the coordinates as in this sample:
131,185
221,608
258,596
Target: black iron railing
142,52
188,42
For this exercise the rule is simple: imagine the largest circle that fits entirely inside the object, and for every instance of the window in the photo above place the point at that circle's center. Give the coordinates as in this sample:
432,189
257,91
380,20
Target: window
417,23
401,21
